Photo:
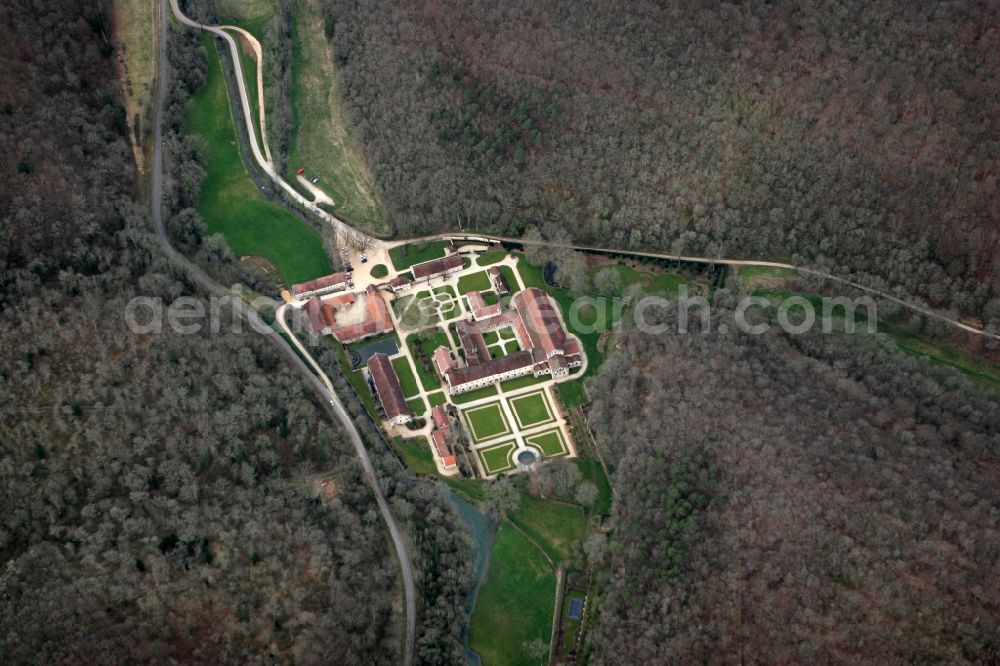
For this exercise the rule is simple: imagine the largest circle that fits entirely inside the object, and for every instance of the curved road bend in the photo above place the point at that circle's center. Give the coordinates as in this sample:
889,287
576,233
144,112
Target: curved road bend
350,232
322,385
341,227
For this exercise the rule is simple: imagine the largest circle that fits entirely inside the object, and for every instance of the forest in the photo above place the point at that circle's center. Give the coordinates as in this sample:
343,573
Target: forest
795,499
854,136
167,497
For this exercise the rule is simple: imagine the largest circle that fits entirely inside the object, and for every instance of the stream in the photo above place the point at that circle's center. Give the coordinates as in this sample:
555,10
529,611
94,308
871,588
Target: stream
482,538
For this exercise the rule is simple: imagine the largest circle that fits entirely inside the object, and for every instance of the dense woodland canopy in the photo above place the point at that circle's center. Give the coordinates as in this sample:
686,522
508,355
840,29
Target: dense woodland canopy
159,496
859,136
801,499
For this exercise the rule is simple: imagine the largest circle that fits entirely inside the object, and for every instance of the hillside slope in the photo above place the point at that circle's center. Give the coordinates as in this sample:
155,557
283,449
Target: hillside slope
853,135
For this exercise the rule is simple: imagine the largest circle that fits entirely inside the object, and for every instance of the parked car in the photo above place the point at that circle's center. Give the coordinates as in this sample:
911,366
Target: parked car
364,258
314,180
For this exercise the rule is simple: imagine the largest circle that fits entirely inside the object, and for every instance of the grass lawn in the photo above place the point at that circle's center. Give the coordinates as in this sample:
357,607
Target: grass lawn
404,371
522,382
438,398
559,527
491,337
471,490
135,30
486,421
445,290
506,333
379,271
321,139
491,257
417,407
256,28
404,256
449,310
515,603
531,409
475,282
592,471
511,348
416,454
572,393
754,277
415,312
239,12
231,204
497,458
356,379
486,391
513,281
551,443
422,345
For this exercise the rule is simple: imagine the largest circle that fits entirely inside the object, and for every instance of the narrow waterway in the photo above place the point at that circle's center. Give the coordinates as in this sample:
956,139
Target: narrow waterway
482,537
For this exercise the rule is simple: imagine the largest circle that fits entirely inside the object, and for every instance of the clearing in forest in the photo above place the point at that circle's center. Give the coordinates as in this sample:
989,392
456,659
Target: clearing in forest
231,204
321,141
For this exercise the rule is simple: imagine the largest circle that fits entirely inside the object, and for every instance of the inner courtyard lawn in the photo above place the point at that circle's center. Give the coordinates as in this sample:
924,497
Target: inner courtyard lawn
407,381
475,282
231,204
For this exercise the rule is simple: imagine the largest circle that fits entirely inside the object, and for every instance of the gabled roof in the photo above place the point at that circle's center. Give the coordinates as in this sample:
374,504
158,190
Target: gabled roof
496,366
436,266
440,438
324,283
443,360
390,393
541,320
379,320
320,315
480,310
440,417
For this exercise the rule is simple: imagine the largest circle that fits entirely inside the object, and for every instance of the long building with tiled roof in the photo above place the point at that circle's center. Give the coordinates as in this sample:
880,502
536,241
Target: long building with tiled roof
388,390
322,285
435,267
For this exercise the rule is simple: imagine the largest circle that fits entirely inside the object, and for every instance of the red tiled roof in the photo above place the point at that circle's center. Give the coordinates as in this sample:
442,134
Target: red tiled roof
440,438
390,393
340,300
400,281
496,366
443,360
480,310
319,284
541,320
379,320
436,266
472,343
439,417
320,315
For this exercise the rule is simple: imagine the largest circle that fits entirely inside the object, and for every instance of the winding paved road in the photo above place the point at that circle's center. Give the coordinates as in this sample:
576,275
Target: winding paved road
321,384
